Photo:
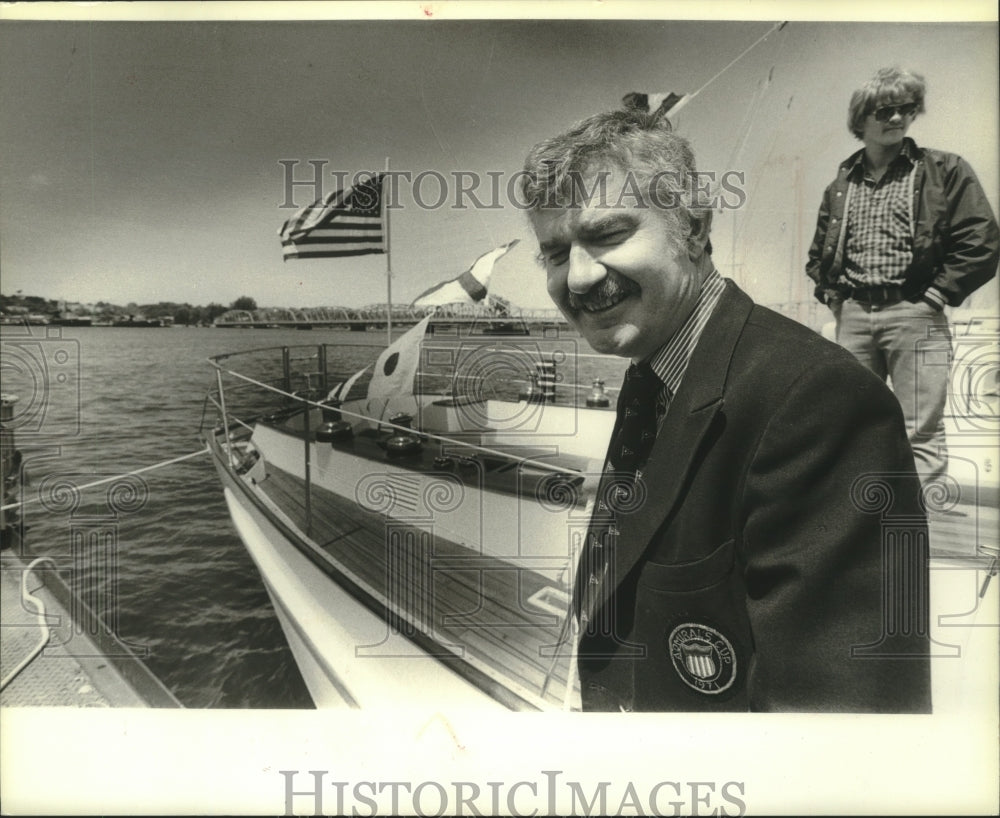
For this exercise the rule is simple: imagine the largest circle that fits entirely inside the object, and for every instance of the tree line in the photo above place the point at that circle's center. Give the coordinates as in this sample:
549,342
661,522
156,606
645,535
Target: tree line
182,313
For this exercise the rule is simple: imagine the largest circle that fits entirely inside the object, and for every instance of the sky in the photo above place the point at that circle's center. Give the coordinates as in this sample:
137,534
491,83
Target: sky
143,161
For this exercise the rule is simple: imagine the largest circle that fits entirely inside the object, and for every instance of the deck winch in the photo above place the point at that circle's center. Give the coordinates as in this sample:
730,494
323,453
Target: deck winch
598,397
403,442
334,427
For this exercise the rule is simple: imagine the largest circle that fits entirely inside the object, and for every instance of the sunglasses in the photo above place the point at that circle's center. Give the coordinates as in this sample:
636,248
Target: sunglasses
884,114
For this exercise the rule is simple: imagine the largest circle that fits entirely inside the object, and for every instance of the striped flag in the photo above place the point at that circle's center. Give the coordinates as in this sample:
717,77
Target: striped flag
657,104
344,223
470,287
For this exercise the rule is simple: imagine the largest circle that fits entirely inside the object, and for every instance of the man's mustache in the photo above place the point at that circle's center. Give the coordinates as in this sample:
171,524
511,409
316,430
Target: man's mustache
608,291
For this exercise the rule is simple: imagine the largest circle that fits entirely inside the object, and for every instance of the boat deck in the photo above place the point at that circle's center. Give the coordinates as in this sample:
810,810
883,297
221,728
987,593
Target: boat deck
74,668
494,613
964,517
967,532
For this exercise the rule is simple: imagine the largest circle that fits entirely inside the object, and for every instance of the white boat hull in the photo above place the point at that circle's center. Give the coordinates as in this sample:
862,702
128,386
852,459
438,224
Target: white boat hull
347,654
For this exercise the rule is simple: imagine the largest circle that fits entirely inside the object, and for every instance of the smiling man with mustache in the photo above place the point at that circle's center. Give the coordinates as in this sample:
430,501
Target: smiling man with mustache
735,557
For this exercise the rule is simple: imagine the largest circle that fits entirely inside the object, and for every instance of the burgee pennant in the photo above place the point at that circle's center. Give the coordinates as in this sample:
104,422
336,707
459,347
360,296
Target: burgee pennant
468,288
659,105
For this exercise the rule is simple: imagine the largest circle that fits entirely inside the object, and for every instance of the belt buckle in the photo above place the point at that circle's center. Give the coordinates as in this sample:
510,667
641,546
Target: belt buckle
879,296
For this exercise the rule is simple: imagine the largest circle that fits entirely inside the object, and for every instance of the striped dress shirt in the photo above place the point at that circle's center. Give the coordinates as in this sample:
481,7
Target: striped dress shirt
670,361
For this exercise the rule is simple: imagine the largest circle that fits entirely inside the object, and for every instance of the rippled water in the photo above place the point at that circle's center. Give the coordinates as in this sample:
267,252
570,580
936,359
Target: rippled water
119,400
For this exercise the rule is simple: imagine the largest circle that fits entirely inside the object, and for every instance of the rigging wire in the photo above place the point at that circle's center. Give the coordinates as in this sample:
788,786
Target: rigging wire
773,143
740,56
104,480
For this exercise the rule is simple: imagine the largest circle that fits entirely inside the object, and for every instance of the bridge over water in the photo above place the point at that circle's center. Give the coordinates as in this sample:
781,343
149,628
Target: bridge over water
376,316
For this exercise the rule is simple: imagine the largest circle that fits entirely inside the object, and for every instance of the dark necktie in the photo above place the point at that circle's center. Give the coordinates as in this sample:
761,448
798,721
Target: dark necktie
637,419
631,443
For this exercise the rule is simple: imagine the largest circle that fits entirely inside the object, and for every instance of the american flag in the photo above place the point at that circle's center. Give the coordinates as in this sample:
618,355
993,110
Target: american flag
344,223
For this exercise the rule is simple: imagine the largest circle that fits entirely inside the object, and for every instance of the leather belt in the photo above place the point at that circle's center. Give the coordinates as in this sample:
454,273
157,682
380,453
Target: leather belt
877,295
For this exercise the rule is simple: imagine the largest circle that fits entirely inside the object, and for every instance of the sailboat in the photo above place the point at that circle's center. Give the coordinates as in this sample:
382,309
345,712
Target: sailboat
416,523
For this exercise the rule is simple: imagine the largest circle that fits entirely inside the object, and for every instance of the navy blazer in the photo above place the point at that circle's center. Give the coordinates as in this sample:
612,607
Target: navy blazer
779,558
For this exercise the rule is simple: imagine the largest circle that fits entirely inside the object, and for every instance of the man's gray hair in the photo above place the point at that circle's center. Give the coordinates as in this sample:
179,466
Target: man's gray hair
659,166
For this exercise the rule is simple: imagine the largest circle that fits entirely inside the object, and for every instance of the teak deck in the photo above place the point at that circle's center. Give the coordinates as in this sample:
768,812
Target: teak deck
471,604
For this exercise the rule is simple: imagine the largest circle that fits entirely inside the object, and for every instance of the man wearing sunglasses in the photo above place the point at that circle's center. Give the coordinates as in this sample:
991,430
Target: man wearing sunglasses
902,233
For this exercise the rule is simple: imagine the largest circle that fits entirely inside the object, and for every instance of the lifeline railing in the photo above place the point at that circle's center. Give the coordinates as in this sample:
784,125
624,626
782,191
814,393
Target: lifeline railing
319,354
288,357
543,382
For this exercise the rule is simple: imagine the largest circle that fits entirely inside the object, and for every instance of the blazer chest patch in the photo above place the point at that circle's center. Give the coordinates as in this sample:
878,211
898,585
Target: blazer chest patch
703,657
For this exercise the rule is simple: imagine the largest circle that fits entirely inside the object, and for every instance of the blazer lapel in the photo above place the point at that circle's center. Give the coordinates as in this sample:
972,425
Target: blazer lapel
691,412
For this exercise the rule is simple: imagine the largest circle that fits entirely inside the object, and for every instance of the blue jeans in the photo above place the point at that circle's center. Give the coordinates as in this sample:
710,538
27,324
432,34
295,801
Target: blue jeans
910,344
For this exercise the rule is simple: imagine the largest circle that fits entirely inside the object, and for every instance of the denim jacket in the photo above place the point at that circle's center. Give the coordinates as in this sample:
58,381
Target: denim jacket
956,241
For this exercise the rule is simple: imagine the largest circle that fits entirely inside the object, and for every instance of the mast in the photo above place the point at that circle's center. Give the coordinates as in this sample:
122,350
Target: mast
388,260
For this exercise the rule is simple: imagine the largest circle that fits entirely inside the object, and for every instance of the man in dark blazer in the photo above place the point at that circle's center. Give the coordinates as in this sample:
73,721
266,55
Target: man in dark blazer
758,541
